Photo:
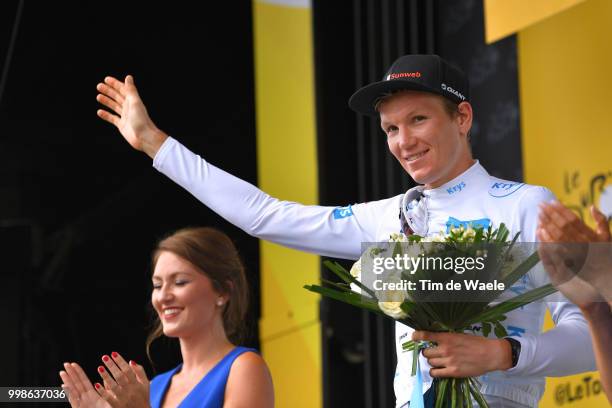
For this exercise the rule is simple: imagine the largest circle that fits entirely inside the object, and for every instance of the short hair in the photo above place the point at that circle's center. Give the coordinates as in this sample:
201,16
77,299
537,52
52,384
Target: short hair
449,106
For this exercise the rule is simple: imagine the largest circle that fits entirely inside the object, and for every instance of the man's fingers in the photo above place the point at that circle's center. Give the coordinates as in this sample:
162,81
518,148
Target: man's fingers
437,362
130,85
421,335
117,85
109,103
433,352
111,92
108,117
441,372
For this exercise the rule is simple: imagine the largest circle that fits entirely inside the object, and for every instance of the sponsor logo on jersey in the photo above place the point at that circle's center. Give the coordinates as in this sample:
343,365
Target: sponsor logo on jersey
456,189
501,189
342,212
455,223
514,331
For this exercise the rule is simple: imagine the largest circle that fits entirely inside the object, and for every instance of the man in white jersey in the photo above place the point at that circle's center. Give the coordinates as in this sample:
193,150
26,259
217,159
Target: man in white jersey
424,108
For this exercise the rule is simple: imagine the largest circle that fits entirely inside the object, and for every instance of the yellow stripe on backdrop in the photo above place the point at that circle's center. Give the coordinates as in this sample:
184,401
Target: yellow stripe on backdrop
505,17
286,157
566,105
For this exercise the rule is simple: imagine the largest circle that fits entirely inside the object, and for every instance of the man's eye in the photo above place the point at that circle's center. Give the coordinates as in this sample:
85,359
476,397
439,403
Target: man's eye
419,118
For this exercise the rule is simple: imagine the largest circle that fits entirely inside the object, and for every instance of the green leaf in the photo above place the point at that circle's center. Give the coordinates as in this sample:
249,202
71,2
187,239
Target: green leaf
415,359
342,286
500,331
486,329
440,392
495,312
453,393
351,298
474,389
521,270
466,392
343,274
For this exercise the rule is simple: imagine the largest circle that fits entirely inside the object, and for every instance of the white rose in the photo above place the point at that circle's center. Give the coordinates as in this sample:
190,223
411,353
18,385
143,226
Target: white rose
392,309
356,269
356,273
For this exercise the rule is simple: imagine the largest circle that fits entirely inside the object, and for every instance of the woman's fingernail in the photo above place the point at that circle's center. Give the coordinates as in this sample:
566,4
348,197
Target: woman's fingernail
132,362
105,358
98,386
100,369
115,354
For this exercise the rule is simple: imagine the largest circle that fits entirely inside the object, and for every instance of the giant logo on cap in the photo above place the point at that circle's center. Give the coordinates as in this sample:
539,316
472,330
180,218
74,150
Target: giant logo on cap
453,91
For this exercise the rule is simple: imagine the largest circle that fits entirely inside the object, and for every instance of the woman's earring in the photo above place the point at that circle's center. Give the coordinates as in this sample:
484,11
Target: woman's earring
220,302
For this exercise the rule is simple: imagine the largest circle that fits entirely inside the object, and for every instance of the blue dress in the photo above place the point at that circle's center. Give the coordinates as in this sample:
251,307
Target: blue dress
208,393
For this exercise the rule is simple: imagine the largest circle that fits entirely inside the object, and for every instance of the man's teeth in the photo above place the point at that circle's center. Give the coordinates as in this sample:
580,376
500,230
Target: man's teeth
171,311
416,156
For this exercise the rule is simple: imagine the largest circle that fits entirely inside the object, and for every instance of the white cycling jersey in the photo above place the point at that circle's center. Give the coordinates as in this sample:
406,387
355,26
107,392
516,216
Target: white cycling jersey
473,197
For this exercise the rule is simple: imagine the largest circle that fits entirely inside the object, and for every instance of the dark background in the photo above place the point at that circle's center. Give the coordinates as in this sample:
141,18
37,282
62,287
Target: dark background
74,193
80,210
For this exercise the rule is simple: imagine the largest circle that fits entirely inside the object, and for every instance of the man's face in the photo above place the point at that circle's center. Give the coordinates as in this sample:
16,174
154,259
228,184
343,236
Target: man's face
429,143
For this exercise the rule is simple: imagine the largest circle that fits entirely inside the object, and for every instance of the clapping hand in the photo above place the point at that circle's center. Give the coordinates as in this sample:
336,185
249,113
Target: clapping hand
578,259
125,385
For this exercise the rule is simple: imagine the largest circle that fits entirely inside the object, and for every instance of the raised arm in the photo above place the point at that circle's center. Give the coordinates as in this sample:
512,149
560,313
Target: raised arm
329,231
129,114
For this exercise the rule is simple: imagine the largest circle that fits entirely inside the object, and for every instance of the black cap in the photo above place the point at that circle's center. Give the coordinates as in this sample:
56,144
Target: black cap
427,73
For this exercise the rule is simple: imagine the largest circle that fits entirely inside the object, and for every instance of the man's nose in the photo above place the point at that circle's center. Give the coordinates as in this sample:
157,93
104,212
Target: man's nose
405,138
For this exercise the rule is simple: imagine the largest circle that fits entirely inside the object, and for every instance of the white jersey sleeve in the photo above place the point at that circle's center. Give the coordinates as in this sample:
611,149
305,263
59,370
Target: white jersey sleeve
329,231
565,349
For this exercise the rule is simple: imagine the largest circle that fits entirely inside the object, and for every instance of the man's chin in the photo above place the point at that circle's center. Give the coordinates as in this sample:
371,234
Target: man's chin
419,176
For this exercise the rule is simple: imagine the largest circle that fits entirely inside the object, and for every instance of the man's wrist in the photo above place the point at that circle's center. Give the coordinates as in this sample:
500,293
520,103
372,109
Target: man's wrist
153,142
504,361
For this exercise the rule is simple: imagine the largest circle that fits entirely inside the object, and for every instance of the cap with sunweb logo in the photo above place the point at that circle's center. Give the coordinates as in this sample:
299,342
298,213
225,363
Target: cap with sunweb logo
426,73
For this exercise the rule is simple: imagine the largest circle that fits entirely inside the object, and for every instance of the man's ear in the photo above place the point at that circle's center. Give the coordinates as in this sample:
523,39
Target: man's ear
464,117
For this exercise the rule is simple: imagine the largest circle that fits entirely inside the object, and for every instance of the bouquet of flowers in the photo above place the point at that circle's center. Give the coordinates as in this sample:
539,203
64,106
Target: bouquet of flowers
424,291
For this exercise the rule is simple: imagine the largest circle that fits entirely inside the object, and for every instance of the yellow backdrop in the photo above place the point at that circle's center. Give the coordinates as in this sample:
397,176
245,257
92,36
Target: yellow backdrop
565,64
286,157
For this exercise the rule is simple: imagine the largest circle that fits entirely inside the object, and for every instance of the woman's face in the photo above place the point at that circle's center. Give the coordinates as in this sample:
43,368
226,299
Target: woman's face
183,297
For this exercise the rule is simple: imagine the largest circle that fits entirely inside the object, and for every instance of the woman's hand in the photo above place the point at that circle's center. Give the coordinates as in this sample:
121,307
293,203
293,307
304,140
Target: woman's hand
464,355
130,114
81,394
128,387
578,259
